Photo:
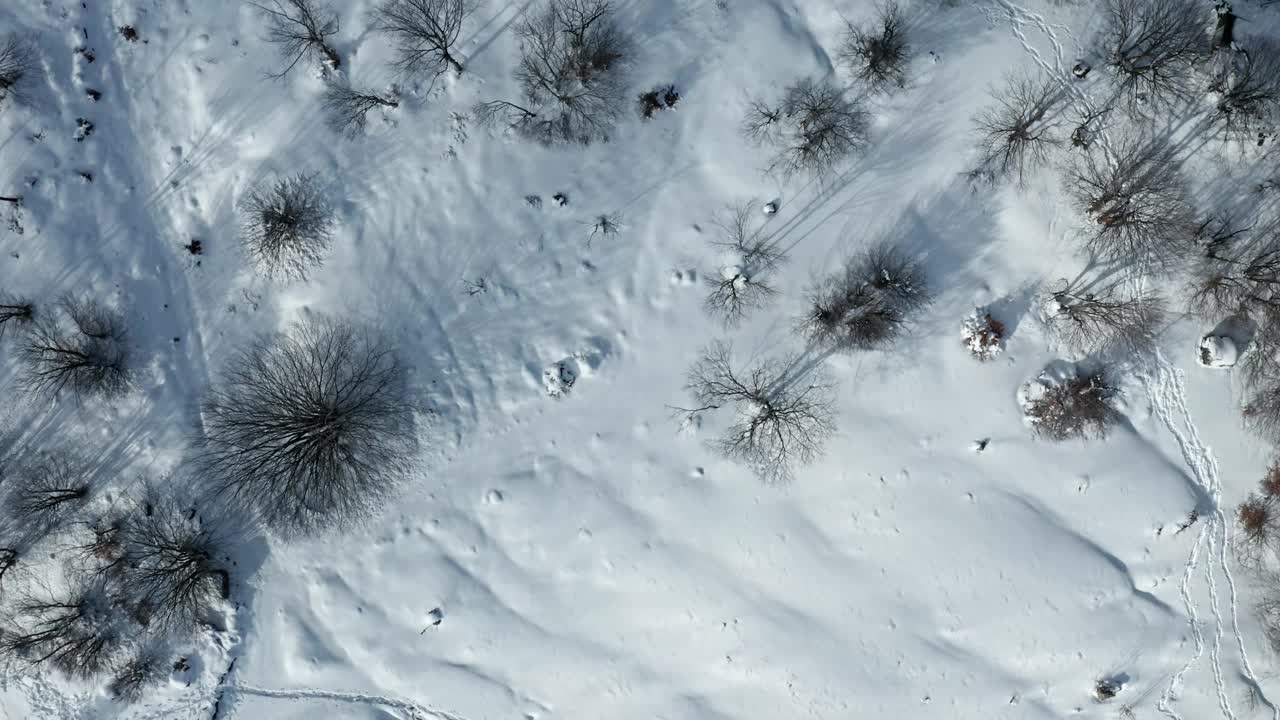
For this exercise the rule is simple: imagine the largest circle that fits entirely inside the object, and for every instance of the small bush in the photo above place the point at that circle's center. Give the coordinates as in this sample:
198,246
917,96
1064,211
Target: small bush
1079,406
1258,538
868,303
145,669
653,101
983,335
288,226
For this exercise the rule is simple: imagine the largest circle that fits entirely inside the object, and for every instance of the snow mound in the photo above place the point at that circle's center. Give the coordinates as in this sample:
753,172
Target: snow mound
1217,351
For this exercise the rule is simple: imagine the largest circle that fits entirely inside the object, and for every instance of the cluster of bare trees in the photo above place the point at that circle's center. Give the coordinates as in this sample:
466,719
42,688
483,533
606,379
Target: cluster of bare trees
137,573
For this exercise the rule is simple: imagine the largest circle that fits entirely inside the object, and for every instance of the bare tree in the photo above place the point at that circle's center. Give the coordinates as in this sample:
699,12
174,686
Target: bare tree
287,226
14,311
426,32
1087,317
1138,203
86,352
1015,134
815,127
1081,406
868,302
172,566
1237,279
78,631
1261,365
144,669
1152,46
1258,539
347,108
301,28
573,60
1248,87
17,66
312,428
48,486
781,414
878,54
745,282
1262,410
1090,123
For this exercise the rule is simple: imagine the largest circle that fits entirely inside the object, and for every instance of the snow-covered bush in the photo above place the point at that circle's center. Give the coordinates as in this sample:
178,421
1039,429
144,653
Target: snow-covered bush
878,54
780,420
301,28
1065,403
982,334
814,128
311,428
426,32
745,281
1217,351
572,74
1015,132
1137,205
867,303
287,226
82,349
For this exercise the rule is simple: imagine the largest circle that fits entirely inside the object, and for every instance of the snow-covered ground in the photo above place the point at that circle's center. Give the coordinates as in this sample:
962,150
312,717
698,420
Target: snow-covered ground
579,557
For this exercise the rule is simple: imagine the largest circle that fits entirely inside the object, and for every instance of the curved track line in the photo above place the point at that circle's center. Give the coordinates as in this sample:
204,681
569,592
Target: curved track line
417,712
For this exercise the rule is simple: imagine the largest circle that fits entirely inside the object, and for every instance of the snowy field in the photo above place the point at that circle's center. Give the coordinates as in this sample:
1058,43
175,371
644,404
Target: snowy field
589,555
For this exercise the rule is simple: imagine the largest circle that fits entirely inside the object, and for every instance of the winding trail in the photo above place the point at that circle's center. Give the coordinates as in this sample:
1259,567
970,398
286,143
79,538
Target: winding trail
416,712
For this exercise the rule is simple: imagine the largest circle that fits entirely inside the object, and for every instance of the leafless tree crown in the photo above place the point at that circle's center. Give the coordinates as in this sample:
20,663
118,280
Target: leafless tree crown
310,429
1137,205
572,74
1248,87
48,486
1086,317
878,54
425,31
745,283
347,109
77,631
17,65
1152,46
14,311
814,129
86,352
781,417
867,303
1016,132
173,569
302,29
288,226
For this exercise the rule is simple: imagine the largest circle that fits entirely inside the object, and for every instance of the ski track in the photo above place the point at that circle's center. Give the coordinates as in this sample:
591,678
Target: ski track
416,712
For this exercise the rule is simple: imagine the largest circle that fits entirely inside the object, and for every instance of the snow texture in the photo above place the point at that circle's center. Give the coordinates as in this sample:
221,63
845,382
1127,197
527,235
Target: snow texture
582,558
